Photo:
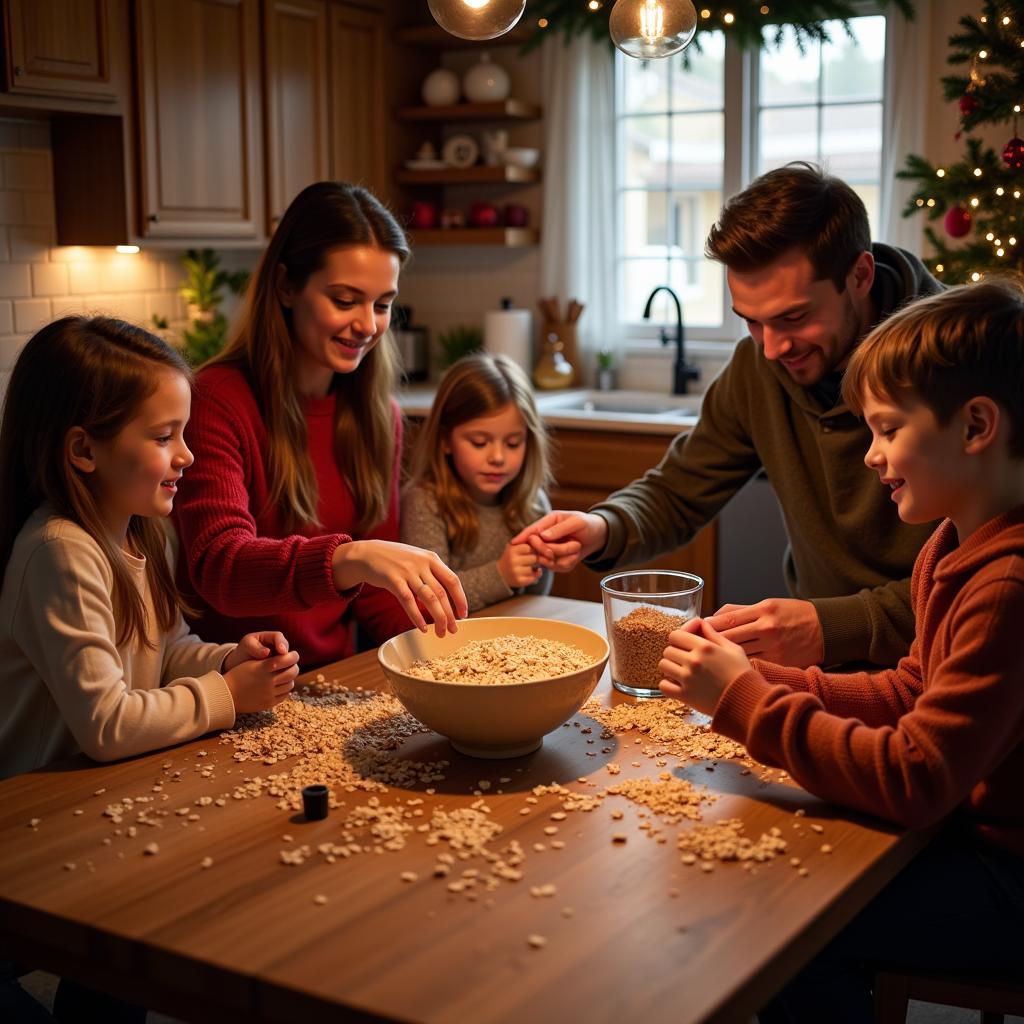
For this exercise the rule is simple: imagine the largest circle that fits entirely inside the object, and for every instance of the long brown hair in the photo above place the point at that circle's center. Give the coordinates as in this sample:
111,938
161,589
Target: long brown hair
321,218
945,350
92,373
480,385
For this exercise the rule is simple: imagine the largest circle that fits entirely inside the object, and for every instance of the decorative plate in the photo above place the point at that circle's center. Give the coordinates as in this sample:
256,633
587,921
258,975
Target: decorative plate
460,151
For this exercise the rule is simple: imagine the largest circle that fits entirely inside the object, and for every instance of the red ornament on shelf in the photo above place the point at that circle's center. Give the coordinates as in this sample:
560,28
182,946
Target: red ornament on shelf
1013,154
968,105
957,221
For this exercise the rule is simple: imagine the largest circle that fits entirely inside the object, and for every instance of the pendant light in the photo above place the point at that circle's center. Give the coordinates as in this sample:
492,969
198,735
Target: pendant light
476,19
650,29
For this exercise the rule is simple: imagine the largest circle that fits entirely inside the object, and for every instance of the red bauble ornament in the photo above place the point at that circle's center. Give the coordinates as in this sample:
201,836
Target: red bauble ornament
957,221
968,104
1013,154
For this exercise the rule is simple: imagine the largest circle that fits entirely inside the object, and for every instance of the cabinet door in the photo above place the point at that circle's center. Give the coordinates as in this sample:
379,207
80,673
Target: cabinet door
58,48
358,110
201,150
297,99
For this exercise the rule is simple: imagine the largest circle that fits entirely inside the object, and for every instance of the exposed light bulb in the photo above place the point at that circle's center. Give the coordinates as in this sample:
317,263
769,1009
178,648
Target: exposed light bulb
650,29
477,19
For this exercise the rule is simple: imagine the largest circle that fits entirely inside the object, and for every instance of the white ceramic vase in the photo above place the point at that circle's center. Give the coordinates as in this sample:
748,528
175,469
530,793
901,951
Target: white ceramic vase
440,88
486,82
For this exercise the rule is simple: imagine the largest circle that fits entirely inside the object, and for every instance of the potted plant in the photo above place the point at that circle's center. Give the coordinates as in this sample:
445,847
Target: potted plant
203,293
606,370
458,342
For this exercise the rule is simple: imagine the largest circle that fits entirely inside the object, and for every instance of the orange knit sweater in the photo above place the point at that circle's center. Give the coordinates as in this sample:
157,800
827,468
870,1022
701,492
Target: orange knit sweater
942,730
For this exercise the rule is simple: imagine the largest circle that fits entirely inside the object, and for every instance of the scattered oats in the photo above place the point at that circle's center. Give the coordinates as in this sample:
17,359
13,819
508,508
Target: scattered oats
826,847
724,840
484,784
536,941
707,865
795,861
151,849
800,812
567,911
505,778
817,828
78,811
539,847
617,815
524,810
619,837
557,844
34,822
70,866
551,830
206,862
803,871
319,899
321,678
558,816
286,838
612,768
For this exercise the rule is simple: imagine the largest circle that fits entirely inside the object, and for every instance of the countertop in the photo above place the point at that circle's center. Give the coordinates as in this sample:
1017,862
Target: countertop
637,412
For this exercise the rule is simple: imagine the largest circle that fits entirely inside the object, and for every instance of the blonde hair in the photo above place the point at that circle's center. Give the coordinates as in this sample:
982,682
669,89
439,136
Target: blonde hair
947,349
92,373
321,219
480,385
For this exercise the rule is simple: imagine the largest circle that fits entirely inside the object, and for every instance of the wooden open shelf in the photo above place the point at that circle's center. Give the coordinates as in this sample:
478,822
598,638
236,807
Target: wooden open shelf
434,37
509,237
479,175
501,110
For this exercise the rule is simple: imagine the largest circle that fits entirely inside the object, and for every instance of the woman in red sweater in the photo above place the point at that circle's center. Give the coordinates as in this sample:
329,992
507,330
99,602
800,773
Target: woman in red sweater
941,385
289,517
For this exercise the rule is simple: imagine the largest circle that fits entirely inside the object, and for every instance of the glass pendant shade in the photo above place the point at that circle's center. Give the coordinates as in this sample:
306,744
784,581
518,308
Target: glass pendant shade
477,19
649,29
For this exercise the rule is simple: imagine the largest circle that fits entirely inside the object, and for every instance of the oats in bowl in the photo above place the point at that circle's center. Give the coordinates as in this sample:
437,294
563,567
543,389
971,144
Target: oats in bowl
503,659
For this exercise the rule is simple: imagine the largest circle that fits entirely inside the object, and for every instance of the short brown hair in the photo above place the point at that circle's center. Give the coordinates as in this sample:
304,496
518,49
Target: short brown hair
798,206
947,349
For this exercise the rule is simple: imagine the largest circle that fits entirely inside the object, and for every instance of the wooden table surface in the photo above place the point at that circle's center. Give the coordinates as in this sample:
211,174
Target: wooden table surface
648,939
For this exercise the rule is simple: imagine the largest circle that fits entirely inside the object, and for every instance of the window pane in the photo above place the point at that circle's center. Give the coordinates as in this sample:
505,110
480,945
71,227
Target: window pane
691,215
645,147
789,76
699,87
644,85
851,141
645,226
852,69
871,197
639,278
698,149
789,133
700,285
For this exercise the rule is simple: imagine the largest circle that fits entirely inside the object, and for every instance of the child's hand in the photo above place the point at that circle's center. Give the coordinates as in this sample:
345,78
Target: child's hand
563,539
256,646
259,683
518,565
699,664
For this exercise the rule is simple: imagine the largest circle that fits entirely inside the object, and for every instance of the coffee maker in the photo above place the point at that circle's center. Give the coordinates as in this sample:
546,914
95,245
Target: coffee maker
412,345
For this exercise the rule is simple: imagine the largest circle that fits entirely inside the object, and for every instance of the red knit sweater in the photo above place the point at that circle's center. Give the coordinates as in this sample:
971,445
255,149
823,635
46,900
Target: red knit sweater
944,729
237,564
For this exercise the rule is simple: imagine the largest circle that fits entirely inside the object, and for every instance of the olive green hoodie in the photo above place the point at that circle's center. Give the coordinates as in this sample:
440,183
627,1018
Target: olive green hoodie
849,553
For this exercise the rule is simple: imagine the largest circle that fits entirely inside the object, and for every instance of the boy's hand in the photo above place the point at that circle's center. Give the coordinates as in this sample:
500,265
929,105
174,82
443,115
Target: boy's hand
779,629
563,539
258,684
518,565
699,664
256,647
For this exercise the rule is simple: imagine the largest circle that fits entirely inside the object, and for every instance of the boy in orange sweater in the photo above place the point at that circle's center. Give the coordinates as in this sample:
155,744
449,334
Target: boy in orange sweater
941,385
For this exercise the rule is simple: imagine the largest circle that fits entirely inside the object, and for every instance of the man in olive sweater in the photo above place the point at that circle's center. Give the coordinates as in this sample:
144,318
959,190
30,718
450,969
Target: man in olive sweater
805,277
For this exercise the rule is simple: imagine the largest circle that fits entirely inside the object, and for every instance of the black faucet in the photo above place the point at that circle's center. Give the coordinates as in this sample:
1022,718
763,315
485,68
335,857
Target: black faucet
684,372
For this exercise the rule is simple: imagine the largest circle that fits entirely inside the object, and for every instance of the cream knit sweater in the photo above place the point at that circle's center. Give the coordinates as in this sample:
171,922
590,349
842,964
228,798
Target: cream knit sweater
65,683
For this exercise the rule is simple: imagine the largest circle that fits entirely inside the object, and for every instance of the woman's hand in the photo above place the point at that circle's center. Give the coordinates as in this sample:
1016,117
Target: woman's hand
256,647
518,565
416,577
698,664
563,539
259,683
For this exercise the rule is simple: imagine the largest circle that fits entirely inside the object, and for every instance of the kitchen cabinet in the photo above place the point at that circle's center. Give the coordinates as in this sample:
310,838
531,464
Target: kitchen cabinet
358,103
588,466
58,48
298,99
200,135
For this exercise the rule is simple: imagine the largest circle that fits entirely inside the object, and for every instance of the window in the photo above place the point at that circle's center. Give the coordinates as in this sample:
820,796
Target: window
683,144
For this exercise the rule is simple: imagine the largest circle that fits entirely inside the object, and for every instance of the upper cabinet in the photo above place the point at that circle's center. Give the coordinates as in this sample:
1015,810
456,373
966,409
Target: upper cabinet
358,102
58,48
200,139
298,99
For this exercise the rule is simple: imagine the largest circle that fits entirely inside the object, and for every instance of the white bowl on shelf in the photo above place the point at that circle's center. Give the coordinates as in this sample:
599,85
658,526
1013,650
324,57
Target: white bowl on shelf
521,156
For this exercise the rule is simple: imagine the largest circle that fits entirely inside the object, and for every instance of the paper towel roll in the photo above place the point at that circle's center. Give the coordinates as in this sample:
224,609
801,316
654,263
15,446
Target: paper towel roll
508,332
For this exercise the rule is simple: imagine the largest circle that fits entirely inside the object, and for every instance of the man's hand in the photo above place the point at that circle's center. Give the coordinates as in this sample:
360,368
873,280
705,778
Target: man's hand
779,629
518,565
699,664
563,539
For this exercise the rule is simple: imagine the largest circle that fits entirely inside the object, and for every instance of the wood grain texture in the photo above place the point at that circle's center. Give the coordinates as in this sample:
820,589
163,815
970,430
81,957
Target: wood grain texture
245,940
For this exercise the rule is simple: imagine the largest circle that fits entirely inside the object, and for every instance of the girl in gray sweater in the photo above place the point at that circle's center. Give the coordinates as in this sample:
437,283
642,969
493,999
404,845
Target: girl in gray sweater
478,471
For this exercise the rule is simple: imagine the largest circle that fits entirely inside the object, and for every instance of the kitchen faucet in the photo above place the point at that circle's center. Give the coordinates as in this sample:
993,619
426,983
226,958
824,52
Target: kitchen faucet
683,371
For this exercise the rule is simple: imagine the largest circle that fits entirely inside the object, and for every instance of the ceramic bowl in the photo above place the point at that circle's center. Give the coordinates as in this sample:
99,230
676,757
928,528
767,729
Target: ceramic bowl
499,720
522,156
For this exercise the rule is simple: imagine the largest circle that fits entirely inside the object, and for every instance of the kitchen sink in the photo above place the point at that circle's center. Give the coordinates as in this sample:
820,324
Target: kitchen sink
613,404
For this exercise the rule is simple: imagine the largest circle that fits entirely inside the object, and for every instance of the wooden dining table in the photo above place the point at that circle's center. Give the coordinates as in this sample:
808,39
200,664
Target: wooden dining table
627,933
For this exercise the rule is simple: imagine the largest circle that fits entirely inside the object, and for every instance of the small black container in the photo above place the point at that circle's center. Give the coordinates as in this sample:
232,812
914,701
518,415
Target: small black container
314,802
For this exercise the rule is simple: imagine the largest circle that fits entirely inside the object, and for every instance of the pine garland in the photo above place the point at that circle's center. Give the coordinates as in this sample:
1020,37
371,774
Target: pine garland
752,23
980,184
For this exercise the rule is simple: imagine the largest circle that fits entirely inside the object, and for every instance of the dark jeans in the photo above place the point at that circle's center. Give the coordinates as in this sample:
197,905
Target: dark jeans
956,907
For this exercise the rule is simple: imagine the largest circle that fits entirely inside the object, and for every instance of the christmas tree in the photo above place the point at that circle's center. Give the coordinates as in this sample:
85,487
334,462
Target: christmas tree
981,197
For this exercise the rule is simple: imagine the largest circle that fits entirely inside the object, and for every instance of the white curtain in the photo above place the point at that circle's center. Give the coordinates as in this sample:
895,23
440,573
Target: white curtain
577,251
908,89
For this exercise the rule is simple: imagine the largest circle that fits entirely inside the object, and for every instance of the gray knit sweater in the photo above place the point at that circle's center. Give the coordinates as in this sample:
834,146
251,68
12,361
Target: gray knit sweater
423,525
